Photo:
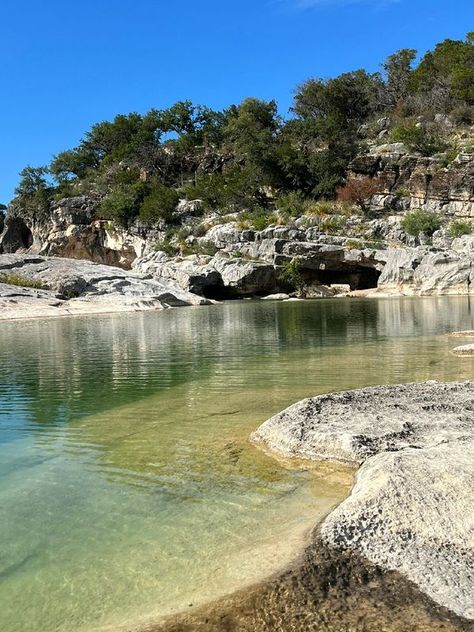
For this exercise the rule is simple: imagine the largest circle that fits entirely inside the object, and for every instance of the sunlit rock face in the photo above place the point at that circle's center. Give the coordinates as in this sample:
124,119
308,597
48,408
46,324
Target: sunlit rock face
33,285
364,254
412,182
411,507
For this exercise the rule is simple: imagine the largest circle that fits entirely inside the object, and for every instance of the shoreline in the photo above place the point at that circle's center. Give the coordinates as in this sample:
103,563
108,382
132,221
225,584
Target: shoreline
336,584
410,508
17,311
323,590
67,310
277,556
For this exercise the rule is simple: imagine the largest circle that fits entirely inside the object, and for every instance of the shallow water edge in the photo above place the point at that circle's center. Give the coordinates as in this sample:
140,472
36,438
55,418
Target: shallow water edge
325,591
131,534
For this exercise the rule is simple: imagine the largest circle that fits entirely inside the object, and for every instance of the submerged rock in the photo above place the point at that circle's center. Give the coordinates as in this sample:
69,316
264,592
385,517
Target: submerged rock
411,509
464,350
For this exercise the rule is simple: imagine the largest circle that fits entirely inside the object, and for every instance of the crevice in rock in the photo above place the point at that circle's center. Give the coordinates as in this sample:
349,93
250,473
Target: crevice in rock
16,236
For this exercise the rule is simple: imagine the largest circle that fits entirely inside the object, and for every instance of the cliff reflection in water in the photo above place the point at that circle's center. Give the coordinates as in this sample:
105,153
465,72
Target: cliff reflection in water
88,361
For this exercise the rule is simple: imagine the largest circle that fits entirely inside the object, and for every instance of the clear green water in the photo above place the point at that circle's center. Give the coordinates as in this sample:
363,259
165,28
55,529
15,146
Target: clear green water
128,488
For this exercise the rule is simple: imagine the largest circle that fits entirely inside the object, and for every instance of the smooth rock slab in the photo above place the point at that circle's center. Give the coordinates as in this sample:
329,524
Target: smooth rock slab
411,509
464,350
71,286
280,296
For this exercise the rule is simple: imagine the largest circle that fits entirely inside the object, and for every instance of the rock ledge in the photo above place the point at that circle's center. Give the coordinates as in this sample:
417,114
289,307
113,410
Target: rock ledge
411,509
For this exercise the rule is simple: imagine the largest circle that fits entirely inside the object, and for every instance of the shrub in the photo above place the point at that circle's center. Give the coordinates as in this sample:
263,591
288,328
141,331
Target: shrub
359,191
333,225
167,247
123,203
458,228
418,222
419,138
463,115
291,273
258,219
354,244
203,247
292,204
21,281
160,204
321,208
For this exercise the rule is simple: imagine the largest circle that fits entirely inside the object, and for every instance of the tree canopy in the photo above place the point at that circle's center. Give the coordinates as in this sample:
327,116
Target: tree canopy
248,155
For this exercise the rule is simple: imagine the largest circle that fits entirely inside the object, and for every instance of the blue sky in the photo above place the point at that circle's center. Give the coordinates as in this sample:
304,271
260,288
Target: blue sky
66,65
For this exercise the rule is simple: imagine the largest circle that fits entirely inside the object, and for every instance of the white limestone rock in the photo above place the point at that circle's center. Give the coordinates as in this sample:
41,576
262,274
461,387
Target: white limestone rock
411,509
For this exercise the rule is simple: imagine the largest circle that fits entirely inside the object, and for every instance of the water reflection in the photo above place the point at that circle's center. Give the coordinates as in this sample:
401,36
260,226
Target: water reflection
127,484
73,367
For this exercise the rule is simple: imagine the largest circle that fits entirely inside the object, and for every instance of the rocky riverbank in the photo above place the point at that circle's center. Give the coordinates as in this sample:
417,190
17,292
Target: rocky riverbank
32,286
326,250
411,508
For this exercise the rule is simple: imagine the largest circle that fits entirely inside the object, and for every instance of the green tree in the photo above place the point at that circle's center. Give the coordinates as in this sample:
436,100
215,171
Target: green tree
123,203
33,191
32,180
159,204
251,131
398,72
351,97
74,163
445,76
236,189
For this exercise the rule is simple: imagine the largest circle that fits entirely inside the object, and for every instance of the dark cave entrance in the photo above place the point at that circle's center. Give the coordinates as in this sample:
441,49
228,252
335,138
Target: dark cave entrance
218,292
358,278
16,236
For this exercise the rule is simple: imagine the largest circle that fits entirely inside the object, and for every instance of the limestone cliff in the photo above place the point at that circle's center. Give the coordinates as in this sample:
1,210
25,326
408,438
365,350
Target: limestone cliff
227,260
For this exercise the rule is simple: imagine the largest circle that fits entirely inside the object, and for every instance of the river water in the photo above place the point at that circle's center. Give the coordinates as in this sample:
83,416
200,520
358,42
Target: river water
128,487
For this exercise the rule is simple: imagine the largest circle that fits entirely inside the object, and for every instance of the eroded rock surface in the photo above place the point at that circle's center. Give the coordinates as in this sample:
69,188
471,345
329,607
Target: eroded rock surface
428,272
220,276
411,509
414,182
464,350
67,286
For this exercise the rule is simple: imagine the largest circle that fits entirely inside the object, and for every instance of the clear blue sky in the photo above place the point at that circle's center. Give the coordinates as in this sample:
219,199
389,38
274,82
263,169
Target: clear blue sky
66,65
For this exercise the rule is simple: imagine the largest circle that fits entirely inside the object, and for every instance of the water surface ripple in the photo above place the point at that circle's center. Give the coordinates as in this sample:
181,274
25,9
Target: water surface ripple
128,488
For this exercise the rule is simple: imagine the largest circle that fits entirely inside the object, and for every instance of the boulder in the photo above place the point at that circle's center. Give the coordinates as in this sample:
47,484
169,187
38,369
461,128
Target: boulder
194,273
85,286
216,277
411,507
244,277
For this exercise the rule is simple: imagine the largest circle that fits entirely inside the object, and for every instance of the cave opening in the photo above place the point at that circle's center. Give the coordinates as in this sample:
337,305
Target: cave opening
16,236
215,291
358,278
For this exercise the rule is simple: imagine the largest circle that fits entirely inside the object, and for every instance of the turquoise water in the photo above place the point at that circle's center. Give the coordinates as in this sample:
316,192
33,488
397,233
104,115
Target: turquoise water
128,488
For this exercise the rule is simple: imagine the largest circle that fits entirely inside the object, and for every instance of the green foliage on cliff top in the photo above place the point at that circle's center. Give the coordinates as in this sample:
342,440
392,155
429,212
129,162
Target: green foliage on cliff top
247,158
